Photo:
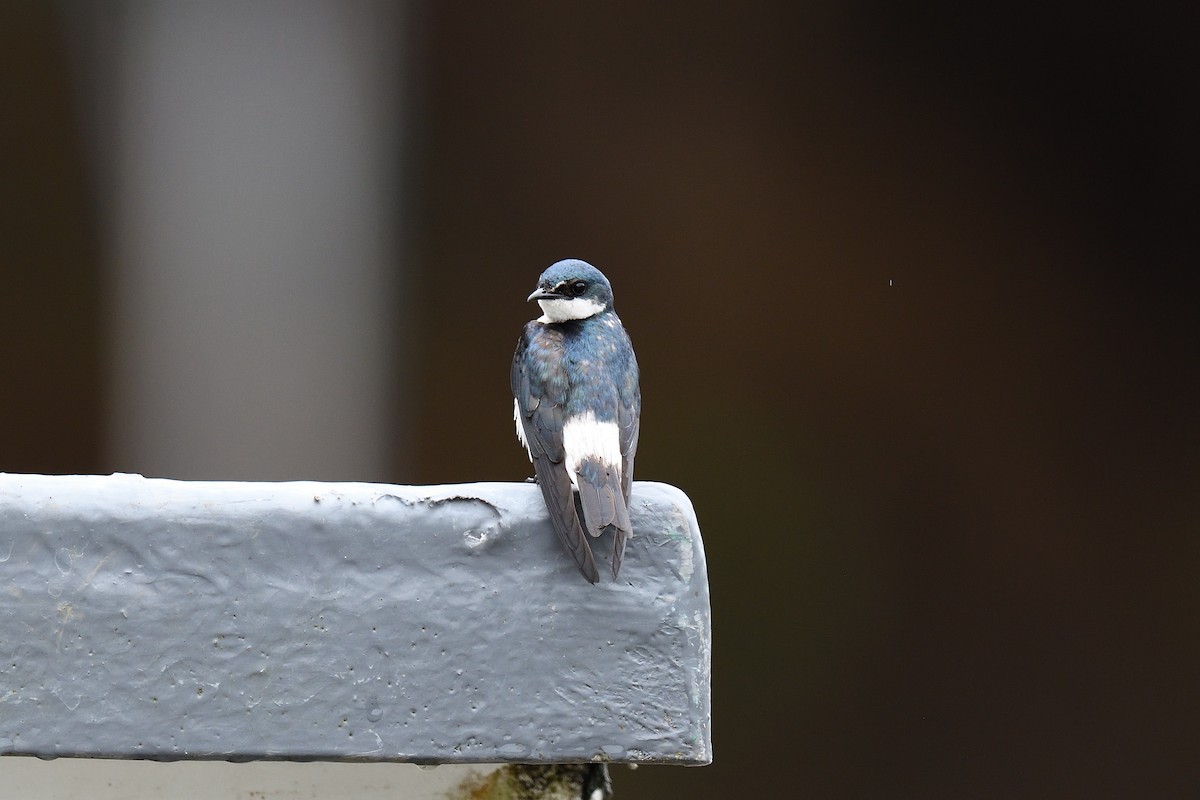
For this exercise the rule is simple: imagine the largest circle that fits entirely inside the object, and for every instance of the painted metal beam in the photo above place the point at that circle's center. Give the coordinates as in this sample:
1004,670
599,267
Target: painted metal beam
158,619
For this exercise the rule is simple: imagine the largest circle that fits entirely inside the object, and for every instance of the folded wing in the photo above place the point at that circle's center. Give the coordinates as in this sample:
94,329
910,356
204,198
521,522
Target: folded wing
539,386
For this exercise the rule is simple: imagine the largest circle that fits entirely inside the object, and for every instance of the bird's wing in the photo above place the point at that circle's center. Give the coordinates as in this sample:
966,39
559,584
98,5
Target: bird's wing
629,415
629,422
539,385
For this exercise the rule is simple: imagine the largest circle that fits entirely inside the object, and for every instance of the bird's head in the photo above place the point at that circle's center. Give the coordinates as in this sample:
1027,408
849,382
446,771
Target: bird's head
572,289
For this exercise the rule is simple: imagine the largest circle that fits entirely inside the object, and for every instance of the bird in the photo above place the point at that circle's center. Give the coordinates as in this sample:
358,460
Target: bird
577,406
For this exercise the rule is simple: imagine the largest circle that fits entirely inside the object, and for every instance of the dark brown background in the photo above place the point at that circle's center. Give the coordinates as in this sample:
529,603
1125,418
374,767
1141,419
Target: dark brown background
914,298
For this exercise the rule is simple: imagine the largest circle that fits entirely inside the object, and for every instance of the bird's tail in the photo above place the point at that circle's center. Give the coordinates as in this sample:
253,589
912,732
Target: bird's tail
603,504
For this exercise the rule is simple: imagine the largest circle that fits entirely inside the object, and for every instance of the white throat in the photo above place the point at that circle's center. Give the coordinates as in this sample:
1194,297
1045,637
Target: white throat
562,310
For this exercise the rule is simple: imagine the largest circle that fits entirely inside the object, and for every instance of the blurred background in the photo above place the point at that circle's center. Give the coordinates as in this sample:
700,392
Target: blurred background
913,292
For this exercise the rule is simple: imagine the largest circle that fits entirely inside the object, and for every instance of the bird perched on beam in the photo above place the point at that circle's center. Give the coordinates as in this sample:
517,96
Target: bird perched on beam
577,406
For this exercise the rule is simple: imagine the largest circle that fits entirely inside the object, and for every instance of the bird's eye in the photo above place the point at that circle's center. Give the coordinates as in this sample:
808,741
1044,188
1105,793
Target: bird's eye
578,288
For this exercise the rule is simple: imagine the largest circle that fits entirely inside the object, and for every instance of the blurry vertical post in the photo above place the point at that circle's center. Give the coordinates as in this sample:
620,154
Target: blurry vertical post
252,172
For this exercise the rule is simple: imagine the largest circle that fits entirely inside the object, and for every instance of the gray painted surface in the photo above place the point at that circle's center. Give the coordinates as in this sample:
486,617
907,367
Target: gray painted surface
168,620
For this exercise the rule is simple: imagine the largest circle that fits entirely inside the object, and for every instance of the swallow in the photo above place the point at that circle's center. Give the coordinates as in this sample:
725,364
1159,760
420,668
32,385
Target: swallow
577,406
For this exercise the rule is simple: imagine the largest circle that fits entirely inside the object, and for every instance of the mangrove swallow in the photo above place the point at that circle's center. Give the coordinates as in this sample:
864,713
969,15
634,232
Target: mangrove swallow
577,407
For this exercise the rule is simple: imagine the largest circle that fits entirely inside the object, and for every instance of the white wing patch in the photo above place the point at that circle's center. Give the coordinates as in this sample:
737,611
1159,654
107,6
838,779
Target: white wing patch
585,437
561,310
521,427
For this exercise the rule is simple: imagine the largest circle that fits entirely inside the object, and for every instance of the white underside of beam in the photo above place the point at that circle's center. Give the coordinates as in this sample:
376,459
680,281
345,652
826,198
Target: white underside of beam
92,779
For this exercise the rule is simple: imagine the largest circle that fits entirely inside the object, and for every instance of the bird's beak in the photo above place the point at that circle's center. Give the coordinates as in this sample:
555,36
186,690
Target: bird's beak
543,294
